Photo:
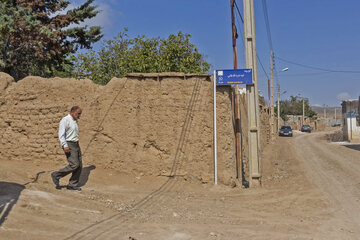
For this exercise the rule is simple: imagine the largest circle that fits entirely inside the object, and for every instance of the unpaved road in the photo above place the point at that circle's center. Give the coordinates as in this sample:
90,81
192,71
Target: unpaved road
335,169
311,190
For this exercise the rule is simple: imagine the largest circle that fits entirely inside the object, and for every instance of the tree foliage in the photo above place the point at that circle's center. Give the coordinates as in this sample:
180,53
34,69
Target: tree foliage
122,55
36,37
294,106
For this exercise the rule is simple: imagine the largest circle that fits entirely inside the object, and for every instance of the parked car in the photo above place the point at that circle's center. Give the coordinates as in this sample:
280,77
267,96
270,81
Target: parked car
286,131
306,128
335,124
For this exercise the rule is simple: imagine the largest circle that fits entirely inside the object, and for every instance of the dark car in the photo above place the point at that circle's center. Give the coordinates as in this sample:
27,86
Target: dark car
306,128
286,131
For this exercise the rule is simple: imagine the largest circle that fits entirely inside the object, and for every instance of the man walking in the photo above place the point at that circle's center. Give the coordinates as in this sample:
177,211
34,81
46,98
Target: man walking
69,140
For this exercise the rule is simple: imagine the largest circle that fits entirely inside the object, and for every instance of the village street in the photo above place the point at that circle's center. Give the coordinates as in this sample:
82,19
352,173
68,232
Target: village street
311,190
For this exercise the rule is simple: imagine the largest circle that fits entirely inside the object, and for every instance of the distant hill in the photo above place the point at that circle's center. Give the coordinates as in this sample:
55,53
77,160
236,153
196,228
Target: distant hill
330,112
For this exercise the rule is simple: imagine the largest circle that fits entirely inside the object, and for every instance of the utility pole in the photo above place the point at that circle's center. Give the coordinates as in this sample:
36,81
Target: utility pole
335,113
252,94
269,95
272,120
233,34
278,106
303,113
236,105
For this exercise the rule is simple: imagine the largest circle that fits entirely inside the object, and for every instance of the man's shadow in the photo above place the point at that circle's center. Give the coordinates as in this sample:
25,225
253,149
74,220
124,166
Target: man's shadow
9,194
84,177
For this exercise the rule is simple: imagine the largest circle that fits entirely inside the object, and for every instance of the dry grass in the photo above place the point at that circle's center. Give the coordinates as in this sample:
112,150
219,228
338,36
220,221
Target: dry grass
336,136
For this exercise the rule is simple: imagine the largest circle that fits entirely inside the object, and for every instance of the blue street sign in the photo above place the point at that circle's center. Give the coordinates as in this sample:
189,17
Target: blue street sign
234,76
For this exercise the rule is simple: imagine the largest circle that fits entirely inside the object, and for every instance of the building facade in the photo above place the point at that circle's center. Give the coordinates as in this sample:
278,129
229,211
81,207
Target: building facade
351,120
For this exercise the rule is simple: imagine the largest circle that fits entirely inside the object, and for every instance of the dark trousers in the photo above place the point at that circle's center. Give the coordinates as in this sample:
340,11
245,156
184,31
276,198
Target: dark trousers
74,167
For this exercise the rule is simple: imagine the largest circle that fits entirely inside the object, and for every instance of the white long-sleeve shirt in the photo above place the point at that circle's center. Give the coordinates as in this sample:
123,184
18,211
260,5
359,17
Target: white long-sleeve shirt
68,130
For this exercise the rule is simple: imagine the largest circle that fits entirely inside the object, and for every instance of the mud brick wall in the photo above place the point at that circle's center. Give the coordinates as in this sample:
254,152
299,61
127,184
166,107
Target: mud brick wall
30,133
155,124
151,124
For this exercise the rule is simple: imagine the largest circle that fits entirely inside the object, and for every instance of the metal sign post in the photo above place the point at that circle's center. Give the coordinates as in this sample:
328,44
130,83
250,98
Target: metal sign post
215,143
227,77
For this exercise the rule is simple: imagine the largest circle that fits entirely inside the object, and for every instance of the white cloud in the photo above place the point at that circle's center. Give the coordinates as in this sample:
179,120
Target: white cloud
103,18
343,96
316,105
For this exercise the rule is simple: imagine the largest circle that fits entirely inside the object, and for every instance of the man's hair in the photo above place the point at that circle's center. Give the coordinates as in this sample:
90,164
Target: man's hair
74,108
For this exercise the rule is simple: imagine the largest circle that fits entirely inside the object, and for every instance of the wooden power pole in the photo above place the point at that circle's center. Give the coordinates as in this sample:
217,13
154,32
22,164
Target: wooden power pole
303,111
236,105
324,111
272,117
278,107
232,2
252,94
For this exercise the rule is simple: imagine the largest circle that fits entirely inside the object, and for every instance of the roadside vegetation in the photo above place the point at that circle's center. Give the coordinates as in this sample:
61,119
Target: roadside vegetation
294,106
336,136
122,55
38,37
48,39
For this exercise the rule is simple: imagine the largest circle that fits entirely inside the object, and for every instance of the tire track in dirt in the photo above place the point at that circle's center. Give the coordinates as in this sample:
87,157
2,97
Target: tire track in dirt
336,158
110,226
324,164
170,185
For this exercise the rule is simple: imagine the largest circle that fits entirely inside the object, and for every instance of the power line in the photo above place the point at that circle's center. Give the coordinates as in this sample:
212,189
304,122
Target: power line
242,39
262,67
307,74
317,68
267,23
242,20
275,72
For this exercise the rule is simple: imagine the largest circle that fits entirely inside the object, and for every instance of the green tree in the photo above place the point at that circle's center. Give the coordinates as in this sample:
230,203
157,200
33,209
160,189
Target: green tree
122,55
294,106
37,37
179,55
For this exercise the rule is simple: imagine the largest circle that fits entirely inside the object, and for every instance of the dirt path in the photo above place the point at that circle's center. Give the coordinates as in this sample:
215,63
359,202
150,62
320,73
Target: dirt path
335,169
311,190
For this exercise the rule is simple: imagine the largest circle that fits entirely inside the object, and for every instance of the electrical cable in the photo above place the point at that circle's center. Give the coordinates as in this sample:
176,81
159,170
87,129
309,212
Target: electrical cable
262,67
239,11
307,74
267,23
242,20
317,68
275,72
112,223
241,32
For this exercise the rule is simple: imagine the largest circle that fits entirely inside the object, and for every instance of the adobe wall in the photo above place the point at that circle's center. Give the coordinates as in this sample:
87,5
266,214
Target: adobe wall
154,124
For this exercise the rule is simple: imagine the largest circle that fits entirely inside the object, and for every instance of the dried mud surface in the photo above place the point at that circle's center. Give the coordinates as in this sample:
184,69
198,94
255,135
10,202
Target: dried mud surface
310,191
148,170
155,125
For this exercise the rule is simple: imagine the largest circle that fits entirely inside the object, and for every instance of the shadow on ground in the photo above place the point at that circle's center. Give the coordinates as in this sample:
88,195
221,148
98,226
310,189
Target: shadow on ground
84,177
9,194
353,146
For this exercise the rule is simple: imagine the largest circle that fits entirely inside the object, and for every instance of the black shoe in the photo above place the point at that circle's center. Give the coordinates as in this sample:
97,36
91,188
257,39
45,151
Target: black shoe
73,188
55,181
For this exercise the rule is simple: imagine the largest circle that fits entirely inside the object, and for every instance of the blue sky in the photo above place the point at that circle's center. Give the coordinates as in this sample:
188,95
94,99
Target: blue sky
320,34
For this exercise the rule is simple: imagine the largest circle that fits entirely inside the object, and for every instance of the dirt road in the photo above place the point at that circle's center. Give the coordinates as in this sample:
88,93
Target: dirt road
311,190
335,169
